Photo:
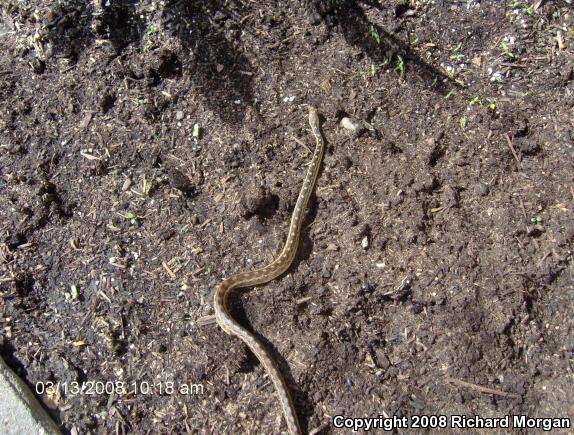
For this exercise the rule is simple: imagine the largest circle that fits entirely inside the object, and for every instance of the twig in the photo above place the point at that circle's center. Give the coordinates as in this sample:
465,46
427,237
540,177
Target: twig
512,148
480,388
205,320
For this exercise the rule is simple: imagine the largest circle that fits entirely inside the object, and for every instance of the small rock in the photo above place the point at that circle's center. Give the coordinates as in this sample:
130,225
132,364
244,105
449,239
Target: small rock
365,242
127,184
179,115
350,124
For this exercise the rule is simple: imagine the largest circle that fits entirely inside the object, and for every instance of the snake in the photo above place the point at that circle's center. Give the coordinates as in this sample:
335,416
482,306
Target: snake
269,272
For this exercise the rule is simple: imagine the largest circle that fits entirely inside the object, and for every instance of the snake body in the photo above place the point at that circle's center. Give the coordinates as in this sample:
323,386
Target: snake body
266,274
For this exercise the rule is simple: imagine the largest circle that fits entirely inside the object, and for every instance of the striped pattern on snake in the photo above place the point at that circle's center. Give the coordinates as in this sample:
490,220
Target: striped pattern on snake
268,273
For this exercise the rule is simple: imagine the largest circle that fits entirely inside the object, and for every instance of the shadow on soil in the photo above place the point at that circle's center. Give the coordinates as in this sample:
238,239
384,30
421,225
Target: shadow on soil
380,45
206,30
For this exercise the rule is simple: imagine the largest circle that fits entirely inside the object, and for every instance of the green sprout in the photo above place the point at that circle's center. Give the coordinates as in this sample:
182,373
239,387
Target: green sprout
256,104
474,100
387,61
528,10
400,67
456,54
196,131
373,70
132,218
463,122
506,50
141,101
536,220
450,93
149,38
74,292
375,35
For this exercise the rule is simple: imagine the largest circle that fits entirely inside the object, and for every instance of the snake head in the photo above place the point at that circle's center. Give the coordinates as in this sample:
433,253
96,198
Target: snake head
313,116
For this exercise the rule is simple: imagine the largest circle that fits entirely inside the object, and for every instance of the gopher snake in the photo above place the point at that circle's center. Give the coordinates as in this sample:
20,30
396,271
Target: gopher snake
266,274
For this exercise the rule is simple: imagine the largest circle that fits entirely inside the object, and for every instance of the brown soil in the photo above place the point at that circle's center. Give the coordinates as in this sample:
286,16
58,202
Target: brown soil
438,247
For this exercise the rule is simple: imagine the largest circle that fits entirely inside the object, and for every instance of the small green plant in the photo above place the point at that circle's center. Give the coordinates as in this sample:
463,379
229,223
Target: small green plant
475,100
73,294
141,101
256,104
400,67
387,61
527,9
375,35
149,38
506,51
132,218
456,54
463,122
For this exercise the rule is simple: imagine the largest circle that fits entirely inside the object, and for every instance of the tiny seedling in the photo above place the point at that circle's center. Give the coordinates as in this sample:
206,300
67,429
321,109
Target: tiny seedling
73,294
506,51
528,10
141,101
256,104
375,35
149,38
196,131
456,54
400,67
132,218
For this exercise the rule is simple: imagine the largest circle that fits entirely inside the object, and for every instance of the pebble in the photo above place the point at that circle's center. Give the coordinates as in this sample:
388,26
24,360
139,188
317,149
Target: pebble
127,184
349,124
365,242
179,115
